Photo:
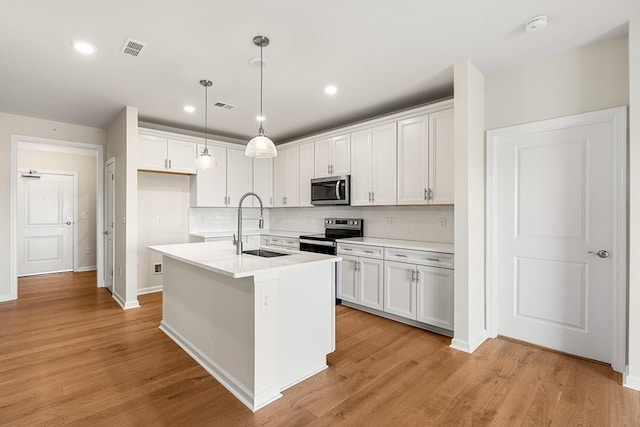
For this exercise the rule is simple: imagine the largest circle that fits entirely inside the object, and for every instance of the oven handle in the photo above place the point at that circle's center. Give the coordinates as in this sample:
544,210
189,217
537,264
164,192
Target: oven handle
318,242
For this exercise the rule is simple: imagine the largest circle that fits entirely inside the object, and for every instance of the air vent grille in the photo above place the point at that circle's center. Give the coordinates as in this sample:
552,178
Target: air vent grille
224,105
132,47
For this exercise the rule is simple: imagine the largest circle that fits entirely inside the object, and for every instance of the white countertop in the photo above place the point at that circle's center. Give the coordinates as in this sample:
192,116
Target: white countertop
220,257
446,248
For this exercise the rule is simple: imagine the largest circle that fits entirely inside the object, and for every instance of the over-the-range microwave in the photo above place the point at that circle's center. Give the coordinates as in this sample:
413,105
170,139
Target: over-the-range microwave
332,190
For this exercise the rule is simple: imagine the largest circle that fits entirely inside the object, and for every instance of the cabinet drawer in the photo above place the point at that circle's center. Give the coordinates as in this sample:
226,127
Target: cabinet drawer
435,259
290,242
361,250
275,240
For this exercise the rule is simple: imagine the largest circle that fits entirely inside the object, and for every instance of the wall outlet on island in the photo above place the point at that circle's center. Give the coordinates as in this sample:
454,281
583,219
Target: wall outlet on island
443,223
390,221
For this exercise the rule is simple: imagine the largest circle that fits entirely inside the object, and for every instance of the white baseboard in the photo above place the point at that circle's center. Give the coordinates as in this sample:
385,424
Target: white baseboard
227,380
631,381
467,347
7,297
126,305
88,268
149,290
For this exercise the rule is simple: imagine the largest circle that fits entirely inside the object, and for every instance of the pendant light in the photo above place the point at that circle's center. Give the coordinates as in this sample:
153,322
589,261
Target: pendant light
260,146
205,161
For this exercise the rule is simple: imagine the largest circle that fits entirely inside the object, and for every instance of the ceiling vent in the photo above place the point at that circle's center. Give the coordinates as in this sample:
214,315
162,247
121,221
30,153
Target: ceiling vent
224,105
132,47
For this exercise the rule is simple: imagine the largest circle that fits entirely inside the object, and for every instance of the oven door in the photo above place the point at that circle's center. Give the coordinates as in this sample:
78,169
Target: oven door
333,190
318,246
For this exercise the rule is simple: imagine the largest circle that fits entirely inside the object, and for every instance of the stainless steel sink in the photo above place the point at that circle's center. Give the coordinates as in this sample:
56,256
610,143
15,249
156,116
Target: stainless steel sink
264,253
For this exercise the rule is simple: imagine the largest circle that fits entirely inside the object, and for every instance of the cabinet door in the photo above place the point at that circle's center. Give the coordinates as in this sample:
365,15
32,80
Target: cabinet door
413,161
209,186
341,155
435,296
399,289
280,178
306,173
347,274
152,152
292,196
384,172
182,156
361,173
239,175
263,181
370,283
322,157
441,157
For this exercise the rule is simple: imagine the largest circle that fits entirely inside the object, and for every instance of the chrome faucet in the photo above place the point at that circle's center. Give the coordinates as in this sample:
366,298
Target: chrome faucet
238,241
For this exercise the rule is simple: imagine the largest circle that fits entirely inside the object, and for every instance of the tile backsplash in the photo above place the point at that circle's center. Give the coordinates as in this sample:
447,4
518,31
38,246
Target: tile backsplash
203,220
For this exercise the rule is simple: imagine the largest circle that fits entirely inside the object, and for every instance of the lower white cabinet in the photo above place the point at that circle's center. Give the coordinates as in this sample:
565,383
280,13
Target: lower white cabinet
360,278
400,289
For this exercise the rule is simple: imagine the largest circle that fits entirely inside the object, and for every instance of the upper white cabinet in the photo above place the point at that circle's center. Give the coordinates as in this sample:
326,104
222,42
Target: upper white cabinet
425,159
157,153
239,175
306,172
209,186
333,156
373,166
263,181
286,189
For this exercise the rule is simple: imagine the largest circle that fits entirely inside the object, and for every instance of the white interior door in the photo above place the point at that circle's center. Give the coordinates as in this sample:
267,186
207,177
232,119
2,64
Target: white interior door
554,200
109,223
45,215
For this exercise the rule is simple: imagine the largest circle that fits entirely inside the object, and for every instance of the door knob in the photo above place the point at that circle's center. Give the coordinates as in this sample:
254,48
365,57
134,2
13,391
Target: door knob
68,222
106,232
601,253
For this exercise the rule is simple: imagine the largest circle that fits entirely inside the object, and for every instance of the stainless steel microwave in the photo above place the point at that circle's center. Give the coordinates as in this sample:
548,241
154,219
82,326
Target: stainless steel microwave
332,190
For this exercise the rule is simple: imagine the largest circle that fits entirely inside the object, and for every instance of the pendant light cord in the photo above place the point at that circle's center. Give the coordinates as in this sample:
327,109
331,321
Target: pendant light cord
261,130
206,114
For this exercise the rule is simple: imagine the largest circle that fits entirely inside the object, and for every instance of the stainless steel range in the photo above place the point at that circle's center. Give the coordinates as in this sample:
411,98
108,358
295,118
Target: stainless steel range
334,228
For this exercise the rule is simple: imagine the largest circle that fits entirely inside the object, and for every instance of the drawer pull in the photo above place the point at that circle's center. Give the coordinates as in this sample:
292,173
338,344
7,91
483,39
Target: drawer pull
368,252
433,259
401,255
347,249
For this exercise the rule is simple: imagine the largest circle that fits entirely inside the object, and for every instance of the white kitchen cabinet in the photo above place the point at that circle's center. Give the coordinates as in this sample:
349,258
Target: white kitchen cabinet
373,166
441,157
361,278
400,289
263,181
425,159
209,186
306,172
434,288
239,175
332,156
157,153
286,185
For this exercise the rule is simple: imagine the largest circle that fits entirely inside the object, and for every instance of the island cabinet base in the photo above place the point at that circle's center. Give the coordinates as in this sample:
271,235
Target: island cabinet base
256,335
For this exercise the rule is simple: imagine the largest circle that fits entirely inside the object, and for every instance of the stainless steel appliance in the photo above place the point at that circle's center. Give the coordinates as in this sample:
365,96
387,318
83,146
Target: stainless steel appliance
334,228
332,190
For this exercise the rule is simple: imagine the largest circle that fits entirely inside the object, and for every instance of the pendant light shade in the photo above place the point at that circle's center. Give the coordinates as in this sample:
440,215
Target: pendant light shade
261,146
205,160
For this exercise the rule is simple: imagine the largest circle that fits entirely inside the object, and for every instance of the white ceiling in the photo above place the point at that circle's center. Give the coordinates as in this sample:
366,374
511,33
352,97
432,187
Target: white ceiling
382,55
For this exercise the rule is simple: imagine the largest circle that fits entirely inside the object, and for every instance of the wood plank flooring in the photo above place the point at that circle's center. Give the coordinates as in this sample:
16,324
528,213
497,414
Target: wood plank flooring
70,356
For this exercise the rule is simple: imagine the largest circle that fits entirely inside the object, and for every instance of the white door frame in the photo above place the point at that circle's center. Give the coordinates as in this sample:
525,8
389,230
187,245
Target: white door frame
618,117
112,160
75,208
61,145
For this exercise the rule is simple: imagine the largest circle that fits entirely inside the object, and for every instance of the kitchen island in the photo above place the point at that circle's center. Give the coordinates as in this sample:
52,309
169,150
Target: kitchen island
258,325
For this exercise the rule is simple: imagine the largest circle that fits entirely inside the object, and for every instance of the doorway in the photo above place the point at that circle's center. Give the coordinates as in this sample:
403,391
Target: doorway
556,215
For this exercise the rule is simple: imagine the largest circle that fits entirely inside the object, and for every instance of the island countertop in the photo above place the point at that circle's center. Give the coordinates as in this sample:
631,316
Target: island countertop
220,257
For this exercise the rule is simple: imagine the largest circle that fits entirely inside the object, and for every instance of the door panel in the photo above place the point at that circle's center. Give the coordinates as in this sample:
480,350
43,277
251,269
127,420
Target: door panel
347,289
361,173
45,224
555,205
400,290
241,172
110,184
435,296
371,283
385,176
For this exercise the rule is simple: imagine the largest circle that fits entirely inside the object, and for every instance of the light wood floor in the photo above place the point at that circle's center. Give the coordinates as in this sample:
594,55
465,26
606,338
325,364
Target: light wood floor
70,355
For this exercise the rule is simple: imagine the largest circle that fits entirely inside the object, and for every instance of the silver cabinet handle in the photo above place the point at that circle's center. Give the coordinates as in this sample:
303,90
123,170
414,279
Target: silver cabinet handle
401,255
373,196
429,194
165,164
425,194
329,169
413,275
347,249
169,163
601,253
433,259
369,195
368,252
417,276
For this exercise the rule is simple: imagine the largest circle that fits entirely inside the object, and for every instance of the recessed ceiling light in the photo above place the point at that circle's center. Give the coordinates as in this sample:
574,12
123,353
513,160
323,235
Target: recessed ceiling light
189,108
536,24
330,90
84,47
261,118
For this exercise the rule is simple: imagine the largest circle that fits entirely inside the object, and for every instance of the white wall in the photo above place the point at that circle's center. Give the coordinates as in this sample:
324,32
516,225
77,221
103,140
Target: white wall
27,126
121,144
408,222
163,218
591,78
85,166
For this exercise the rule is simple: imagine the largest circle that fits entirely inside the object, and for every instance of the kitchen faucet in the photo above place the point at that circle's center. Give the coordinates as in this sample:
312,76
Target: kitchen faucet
238,242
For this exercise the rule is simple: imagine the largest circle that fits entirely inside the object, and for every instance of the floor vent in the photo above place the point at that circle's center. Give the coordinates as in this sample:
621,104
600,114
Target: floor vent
132,47
224,105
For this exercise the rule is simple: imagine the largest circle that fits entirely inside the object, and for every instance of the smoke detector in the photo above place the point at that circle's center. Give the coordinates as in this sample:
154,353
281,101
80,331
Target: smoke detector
132,47
536,24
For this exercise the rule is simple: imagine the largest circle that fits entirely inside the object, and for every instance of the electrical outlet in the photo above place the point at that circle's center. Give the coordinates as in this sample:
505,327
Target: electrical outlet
83,215
390,221
265,302
443,223
157,268
88,250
